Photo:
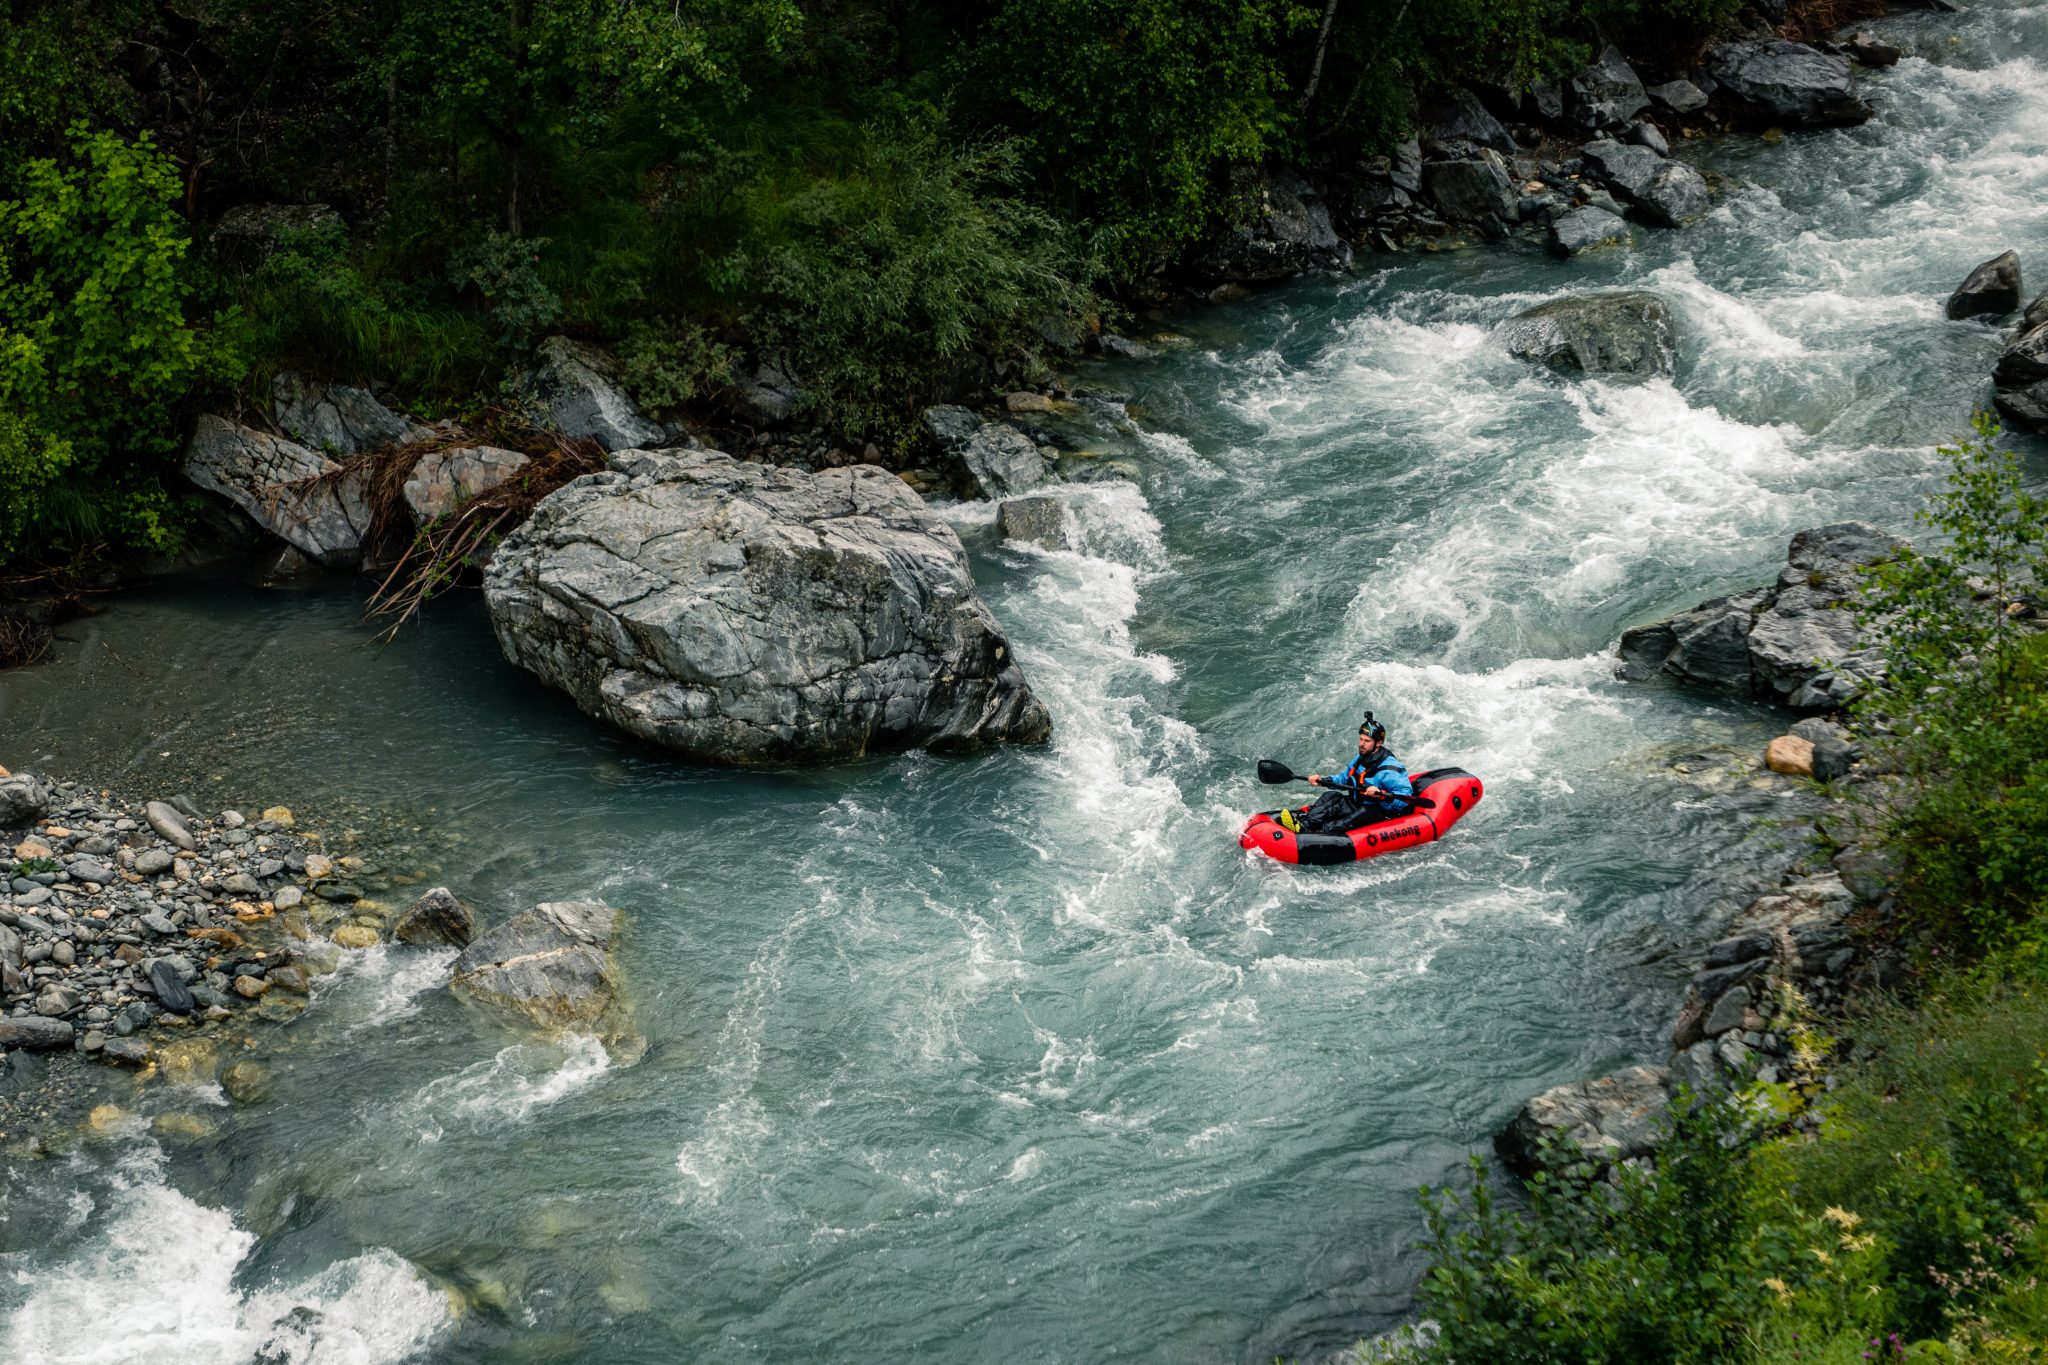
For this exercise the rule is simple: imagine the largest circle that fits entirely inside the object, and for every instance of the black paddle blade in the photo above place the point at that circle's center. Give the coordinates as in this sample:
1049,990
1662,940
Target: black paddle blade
1271,771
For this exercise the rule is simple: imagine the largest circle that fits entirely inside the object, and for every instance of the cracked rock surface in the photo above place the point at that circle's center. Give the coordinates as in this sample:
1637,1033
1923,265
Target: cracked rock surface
740,613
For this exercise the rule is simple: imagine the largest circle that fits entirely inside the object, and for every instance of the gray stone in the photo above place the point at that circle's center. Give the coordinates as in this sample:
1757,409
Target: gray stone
1472,190
1789,84
1993,289
1606,94
88,870
2025,408
24,799
1595,334
1607,1120
1741,948
443,480
1697,1068
2036,314
37,1033
152,861
1543,102
340,892
170,989
1110,344
35,897
576,386
296,494
1040,520
1668,193
241,884
986,459
288,896
551,966
126,1050
63,954
767,396
1727,1012
1867,872
1279,228
1867,49
337,419
1648,135
2024,362
436,917
1456,121
1769,642
159,924
744,614
1680,97
1584,229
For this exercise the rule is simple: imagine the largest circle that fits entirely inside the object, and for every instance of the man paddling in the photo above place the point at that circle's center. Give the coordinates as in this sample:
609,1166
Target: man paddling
1363,793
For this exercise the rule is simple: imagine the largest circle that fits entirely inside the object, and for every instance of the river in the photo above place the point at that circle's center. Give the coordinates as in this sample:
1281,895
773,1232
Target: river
1020,1057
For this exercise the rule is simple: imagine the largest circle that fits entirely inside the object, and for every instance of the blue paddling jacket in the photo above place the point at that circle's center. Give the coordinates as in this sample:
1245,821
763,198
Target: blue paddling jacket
1383,771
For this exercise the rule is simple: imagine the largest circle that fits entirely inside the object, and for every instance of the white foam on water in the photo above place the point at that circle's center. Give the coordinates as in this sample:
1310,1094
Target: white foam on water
157,1282
733,1133
386,983
521,1078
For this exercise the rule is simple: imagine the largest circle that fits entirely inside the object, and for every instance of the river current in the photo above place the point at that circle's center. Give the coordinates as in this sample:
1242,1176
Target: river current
1020,1057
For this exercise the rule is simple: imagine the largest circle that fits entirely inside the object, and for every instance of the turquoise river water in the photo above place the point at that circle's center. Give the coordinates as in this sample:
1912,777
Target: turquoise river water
1020,1057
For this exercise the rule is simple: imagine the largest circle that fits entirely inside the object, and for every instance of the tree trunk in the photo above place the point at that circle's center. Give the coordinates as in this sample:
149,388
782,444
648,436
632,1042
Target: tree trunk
1315,71
520,14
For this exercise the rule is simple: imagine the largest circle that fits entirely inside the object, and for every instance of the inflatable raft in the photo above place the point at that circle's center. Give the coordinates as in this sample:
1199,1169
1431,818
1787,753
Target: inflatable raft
1454,791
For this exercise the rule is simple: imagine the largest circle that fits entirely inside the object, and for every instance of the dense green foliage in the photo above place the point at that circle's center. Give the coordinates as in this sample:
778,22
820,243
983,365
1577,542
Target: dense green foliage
1916,1225
885,200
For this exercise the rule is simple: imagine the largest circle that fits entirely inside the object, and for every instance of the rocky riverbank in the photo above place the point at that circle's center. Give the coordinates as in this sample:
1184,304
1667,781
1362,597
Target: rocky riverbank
140,933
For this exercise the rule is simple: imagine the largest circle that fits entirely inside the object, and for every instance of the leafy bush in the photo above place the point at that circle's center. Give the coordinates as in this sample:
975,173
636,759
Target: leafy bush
668,365
96,351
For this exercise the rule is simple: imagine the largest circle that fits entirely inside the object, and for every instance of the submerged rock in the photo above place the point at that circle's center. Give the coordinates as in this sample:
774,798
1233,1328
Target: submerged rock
745,614
1789,84
1795,642
1040,520
295,494
1596,334
551,966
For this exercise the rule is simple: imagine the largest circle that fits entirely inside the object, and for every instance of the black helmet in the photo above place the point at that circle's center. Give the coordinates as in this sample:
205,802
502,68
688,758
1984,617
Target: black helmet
1369,726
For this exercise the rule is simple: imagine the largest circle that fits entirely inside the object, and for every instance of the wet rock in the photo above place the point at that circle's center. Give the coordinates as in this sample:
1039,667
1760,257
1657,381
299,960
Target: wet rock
1667,193
24,799
576,385
169,988
437,917
1583,230
1037,520
1767,642
2024,362
986,459
1648,135
357,936
37,1033
1991,290
2025,408
1606,94
1472,190
340,893
1867,49
126,1051
1727,1012
2036,314
1679,97
1279,227
1595,334
744,614
1787,84
551,966
295,494
246,1082
444,480
337,419
1604,1121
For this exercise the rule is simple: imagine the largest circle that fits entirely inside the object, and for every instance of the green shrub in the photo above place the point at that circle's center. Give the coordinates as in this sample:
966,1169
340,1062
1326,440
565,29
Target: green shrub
97,354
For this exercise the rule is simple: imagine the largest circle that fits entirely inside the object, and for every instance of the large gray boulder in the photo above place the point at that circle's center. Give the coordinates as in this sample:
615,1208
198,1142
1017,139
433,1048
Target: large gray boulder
2024,362
1665,192
1603,1121
1596,334
985,459
296,494
2026,408
442,480
1606,94
745,614
578,389
1040,520
1473,189
1991,290
1790,84
1795,642
24,799
1457,122
337,419
551,966
1584,229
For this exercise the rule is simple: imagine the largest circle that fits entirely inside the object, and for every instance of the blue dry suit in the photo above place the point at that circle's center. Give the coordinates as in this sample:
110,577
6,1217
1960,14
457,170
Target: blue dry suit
1342,810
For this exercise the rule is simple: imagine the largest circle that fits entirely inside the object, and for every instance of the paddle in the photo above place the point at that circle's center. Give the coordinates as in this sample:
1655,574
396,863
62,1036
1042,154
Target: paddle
1271,772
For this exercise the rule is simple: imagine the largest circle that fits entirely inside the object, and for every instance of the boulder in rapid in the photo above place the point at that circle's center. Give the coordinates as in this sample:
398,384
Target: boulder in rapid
1991,290
739,613
1789,84
1595,334
986,459
551,967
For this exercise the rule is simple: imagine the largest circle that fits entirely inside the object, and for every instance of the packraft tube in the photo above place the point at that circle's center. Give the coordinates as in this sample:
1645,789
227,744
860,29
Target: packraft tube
1454,790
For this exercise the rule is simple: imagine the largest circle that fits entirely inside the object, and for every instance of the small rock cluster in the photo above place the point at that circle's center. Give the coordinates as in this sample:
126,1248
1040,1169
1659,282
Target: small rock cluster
1787,958
1993,292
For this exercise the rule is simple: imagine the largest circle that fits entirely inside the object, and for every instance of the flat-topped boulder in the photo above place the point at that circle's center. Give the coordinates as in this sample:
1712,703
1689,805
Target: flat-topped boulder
1657,189
1603,1121
551,966
1795,641
739,613
1626,333
1788,84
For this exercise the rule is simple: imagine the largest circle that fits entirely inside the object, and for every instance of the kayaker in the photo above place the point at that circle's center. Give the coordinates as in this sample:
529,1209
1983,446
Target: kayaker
1363,790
